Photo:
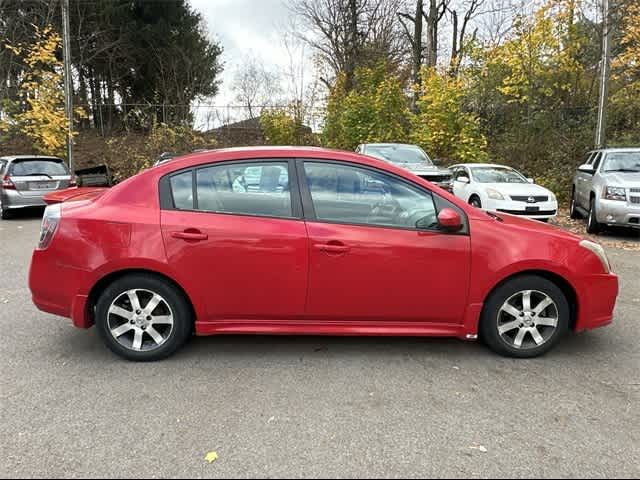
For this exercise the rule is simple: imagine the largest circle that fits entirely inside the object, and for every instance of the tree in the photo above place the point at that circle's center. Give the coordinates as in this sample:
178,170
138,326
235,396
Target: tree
624,112
39,112
256,86
442,127
350,33
282,127
374,110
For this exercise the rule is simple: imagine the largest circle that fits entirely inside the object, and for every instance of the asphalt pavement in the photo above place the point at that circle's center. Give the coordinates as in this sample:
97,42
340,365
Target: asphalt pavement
312,406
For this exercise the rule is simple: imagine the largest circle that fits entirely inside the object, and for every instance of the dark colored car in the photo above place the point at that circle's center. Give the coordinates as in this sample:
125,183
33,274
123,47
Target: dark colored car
411,158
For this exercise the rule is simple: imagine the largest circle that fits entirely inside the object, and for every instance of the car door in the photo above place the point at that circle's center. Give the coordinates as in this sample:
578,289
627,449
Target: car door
368,260
233,231
461,189
584,179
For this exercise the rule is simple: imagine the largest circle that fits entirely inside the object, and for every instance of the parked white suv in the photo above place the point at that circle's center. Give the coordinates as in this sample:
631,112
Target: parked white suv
606,189
503,189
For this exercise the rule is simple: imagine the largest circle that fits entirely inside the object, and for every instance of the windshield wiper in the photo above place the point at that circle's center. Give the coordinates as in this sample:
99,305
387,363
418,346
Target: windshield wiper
37,175
626,170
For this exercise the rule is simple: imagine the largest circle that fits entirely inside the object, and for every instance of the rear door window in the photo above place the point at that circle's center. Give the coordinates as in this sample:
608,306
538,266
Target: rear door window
252,188
36,167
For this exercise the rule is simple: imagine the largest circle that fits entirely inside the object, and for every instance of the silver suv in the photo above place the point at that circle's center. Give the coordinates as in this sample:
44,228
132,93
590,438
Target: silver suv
26,179
606,189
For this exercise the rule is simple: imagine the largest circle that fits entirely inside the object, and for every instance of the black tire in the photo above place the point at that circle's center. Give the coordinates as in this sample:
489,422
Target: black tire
475,201
490,322
183,318
573,211
592,223
4,214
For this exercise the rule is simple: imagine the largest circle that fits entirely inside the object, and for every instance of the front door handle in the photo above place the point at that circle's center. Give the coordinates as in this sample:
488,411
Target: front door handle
335,248
190,235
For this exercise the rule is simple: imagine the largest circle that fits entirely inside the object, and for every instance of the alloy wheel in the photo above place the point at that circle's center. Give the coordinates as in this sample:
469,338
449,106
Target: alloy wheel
528,319
140,320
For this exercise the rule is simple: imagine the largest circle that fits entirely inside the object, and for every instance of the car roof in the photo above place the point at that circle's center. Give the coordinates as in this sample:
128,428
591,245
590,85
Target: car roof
390,145
618,149
473,165
26,157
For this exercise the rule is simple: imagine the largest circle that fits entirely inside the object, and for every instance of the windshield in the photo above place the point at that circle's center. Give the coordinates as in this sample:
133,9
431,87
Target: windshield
622,162
399,153
497,175
50,167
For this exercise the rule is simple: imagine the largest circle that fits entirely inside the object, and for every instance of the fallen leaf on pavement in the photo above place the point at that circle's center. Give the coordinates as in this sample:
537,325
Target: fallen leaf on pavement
211,457
479,447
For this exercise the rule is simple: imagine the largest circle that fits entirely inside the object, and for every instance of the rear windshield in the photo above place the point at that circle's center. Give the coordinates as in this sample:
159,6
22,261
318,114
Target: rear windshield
38,166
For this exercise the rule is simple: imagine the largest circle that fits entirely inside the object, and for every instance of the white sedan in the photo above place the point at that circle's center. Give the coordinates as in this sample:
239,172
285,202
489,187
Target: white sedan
500,188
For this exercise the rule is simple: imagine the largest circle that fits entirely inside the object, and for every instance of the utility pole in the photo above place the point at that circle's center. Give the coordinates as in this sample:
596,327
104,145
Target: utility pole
68,87
604,76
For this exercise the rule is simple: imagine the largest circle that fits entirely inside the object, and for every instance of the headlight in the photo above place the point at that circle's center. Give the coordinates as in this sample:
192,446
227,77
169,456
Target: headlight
599,251
552,197
615,193
494,194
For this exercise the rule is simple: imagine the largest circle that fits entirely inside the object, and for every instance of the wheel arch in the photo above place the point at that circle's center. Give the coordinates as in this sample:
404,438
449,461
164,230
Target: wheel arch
111,277
567,289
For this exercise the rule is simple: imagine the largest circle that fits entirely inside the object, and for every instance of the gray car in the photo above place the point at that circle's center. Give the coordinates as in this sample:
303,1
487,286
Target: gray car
412,158
606,189
26,179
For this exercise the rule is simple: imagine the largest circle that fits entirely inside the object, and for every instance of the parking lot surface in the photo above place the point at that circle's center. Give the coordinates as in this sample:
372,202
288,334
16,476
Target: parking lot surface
312,406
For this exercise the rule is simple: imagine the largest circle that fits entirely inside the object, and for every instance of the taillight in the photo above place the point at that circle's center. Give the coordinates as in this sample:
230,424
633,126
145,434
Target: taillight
50,222
7,184
74,181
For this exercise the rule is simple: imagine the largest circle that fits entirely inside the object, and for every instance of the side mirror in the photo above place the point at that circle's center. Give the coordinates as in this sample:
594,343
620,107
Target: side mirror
531,180
463,179
449,220
436,161
586,168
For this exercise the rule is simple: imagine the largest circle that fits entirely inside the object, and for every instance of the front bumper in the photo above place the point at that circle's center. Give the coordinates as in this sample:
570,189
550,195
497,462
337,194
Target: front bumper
543,210
612,212
596,301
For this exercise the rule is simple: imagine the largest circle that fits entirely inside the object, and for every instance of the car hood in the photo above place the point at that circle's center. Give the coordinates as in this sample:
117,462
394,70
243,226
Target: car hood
622,179
424,169
533,226
520,189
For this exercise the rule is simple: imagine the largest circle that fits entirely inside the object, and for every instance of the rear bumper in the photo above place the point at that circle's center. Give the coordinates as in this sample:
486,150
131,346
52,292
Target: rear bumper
11,200
597,301
66,298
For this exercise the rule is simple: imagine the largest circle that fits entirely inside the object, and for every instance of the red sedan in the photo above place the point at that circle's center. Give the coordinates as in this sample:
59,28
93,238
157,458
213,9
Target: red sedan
308,241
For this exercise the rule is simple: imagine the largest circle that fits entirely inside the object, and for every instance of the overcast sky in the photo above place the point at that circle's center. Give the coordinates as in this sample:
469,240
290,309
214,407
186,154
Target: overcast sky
245,28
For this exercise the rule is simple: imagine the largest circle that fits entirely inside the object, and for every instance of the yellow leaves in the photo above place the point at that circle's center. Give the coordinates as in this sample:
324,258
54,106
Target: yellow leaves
211,457
442,126
40,112
375,110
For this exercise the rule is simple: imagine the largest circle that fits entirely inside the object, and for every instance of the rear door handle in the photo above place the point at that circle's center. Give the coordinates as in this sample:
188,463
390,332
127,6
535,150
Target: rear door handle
332,248
190,235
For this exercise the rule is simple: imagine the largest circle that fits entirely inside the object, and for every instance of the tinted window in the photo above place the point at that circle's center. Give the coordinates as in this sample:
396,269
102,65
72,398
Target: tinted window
348,194
256,188
398,154
52,168
595,160
182,190
460,172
